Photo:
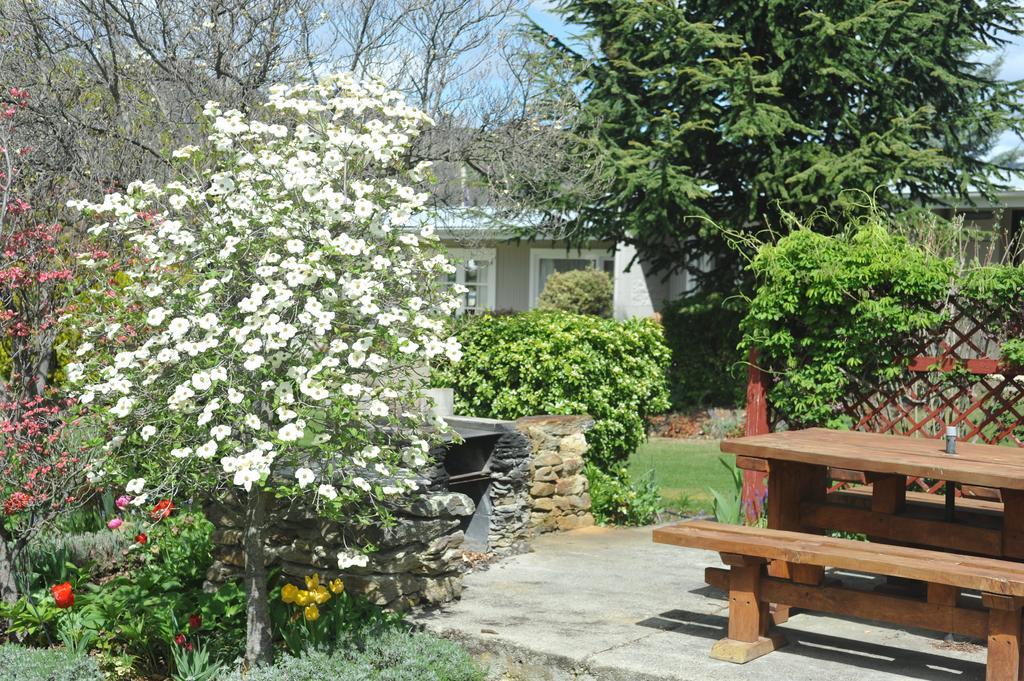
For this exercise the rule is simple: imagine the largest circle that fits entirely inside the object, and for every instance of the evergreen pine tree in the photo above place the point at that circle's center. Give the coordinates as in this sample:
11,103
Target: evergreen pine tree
730,112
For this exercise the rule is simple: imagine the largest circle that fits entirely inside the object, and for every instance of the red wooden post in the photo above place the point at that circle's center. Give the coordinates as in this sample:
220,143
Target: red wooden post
757,424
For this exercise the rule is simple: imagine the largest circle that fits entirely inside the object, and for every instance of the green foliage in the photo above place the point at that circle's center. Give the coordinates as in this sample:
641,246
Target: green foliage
728,506
134,617
343,618
618,499
997,295
77,629
394,655
55,556
702,331
829,310
195,664
45,664
736,112
578,291
544,362
311,664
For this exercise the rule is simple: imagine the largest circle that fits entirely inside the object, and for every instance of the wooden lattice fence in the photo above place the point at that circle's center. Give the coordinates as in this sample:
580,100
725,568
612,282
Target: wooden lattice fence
955,378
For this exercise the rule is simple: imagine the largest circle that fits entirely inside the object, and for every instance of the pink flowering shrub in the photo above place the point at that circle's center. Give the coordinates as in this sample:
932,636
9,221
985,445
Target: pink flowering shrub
41,475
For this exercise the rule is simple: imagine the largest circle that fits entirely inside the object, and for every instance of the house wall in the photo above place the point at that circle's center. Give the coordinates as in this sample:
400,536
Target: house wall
513,288
637,292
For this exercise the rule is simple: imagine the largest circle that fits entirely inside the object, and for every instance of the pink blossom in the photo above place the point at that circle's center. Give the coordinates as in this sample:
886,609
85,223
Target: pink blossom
123,501
114,523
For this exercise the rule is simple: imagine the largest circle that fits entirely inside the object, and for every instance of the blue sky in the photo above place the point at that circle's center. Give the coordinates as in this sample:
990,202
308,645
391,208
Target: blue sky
1013,54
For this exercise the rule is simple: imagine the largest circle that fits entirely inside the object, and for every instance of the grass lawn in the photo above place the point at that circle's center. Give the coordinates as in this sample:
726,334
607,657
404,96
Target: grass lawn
684,469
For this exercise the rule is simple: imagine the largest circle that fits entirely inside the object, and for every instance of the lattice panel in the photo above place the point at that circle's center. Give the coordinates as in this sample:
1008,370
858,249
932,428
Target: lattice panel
955,378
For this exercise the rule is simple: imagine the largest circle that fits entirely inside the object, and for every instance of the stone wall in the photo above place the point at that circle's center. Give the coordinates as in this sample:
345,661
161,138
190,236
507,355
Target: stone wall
559,489
419,560
536,485
511,465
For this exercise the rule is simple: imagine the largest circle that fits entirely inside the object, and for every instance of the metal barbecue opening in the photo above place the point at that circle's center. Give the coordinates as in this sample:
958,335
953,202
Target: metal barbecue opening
469,472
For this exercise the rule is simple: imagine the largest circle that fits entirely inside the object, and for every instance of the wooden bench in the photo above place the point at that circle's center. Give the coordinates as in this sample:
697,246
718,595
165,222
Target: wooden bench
747,550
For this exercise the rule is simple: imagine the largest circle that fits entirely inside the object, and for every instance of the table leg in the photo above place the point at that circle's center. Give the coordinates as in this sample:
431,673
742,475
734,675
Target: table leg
1013,523
1004,633
889,494
790,483
749,636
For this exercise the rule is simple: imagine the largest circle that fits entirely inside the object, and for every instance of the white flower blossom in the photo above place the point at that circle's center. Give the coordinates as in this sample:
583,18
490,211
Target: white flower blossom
304,476
289,433
156,316
347,559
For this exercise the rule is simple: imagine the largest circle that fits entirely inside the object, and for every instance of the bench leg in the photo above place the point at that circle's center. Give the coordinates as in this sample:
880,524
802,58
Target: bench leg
748,637
1004,629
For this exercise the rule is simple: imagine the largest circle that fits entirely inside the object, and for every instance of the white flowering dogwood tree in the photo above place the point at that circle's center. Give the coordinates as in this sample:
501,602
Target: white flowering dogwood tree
282,299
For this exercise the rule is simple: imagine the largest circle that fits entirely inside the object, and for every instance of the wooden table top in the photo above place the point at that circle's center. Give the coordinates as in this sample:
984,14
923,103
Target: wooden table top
984,465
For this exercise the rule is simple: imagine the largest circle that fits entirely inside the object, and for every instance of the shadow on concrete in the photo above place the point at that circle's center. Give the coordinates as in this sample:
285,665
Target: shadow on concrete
841,650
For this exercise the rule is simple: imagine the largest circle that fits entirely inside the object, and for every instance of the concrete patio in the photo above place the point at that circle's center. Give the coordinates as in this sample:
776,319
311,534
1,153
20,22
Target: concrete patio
609,604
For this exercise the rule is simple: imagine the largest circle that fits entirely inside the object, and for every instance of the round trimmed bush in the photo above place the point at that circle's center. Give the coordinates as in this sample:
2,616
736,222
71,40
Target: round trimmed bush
543,362
578,291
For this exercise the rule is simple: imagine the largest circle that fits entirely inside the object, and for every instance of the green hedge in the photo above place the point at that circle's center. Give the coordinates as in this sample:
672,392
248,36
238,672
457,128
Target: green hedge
21,663
557,363
703,333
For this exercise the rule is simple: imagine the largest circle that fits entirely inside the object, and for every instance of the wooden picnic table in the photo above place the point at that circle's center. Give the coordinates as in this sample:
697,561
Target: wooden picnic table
974,545
798,464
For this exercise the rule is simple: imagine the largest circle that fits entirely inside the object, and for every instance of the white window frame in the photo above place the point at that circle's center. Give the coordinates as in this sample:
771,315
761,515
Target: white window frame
597,255
459,257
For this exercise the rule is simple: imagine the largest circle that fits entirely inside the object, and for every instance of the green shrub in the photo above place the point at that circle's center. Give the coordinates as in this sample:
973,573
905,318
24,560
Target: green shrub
311,664
21,663
578,291
833,313
617,499
703,333
544,362
394,655
399,656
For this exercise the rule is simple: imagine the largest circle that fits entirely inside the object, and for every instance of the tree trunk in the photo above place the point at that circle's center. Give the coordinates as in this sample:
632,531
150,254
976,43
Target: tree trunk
257,614
8,582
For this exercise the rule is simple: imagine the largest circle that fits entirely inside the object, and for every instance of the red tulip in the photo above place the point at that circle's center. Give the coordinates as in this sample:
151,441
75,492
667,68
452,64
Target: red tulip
162,509
180,639
63,595
141,538
195,621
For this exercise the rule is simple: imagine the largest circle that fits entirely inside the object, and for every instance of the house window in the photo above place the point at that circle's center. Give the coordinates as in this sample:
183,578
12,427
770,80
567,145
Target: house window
546,261
474,269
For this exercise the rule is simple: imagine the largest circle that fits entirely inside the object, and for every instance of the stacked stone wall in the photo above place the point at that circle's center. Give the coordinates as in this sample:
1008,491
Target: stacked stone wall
559,490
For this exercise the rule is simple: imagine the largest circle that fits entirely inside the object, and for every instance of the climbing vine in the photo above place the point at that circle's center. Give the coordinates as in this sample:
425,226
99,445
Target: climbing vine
832,314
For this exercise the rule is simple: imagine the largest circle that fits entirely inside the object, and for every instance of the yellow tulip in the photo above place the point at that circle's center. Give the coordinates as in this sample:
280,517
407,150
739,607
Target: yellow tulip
303,597
289,592
337,586
312,582
321,595
311,613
